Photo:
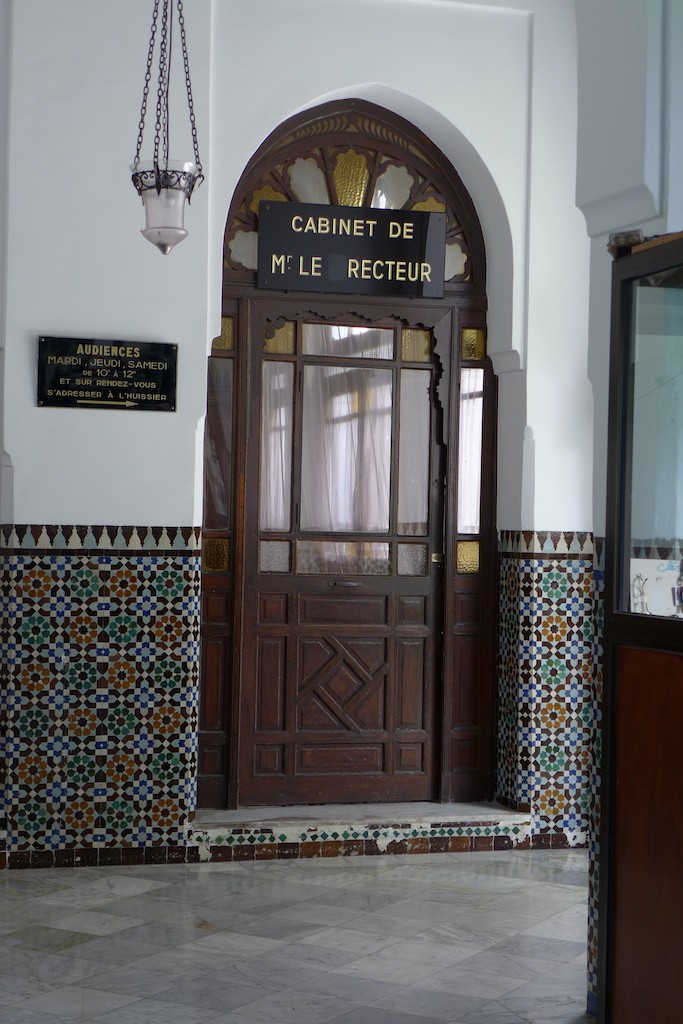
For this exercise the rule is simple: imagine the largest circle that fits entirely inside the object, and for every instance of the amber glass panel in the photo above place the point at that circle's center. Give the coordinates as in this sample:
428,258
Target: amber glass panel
346,449
473,343
218,445
216,554
281,341
344,342
467,556
276,446
413,473
225,342
416,345
344,557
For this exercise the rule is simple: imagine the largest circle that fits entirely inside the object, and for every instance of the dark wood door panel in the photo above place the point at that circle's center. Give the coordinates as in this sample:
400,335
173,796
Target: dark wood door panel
328,610
647,896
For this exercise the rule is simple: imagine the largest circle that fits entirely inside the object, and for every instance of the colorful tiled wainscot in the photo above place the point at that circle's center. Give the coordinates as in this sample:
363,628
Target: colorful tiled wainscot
550,684
101,640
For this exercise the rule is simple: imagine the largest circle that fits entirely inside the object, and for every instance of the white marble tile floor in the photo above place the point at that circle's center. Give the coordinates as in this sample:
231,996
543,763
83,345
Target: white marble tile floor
462,938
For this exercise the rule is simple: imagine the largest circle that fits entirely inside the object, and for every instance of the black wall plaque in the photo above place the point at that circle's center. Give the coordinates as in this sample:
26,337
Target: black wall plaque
355,250
83,373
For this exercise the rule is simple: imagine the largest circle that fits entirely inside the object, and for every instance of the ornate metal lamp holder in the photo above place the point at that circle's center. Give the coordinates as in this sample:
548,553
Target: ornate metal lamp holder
165,184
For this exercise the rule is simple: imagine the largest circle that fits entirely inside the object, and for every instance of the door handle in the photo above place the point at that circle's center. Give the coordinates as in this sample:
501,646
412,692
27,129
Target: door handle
343,583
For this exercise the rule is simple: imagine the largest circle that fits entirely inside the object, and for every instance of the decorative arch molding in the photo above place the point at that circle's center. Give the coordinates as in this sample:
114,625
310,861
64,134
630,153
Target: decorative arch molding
354,153
506,266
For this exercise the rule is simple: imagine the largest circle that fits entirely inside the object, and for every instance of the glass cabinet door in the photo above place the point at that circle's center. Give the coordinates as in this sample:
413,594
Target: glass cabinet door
652,540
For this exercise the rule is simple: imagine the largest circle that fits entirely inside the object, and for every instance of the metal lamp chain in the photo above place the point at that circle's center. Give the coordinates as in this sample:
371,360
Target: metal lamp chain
148,78
161,176
186,65
161,126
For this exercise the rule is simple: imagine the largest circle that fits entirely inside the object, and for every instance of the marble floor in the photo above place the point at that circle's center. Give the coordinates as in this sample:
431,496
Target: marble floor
464,938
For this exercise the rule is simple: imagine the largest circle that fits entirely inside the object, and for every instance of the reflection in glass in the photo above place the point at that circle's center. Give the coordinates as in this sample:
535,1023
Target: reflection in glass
469,450
346,449
346,557
308,181
456,261
413,474
393,188
276,446
217,445
342,341
244,249
412,559
655,502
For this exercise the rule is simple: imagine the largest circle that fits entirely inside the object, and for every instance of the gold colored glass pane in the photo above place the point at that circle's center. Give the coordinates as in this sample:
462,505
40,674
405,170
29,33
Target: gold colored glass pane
467,556
473,343
431,205
225,342
266,192
215,554
351,176
416,345
282,340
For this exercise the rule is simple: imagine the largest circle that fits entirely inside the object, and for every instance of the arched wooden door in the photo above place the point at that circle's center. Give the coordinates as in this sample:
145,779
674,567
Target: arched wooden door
349,547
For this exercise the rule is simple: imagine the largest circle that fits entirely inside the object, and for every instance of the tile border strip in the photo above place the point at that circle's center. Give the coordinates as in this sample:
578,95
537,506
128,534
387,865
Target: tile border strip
546,542
75,539
196,854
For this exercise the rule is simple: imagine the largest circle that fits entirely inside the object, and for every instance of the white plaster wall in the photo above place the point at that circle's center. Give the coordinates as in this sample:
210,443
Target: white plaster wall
492,84
630,151
495,87
78,266
5,58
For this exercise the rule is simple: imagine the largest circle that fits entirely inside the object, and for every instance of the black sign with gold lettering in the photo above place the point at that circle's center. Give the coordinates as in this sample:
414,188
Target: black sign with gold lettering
310,247
88,374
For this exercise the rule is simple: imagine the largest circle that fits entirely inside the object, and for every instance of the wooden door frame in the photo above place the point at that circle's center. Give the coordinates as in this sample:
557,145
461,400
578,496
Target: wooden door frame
469,599
468,714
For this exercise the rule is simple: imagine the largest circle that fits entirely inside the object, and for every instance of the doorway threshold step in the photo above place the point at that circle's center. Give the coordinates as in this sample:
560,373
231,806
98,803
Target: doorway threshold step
343,830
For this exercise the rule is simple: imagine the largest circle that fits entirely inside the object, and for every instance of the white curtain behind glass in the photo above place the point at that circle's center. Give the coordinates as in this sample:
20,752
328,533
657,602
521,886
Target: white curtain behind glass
276,446
413,476
346,449
469,450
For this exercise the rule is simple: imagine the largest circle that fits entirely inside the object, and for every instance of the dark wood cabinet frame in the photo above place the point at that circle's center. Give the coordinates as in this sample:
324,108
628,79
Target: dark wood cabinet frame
640,830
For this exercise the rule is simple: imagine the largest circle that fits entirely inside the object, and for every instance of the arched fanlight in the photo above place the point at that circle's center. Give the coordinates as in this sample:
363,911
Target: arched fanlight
164,184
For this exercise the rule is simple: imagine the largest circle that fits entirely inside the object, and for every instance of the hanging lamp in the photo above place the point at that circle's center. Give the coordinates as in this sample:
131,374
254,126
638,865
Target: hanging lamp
164,184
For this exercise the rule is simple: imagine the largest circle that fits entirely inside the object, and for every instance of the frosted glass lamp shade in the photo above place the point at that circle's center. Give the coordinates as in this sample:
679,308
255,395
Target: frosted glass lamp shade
163,195
164,218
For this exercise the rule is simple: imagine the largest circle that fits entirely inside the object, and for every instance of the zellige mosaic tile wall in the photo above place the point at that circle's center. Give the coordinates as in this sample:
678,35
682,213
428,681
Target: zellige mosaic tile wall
102,639
546,668
550,692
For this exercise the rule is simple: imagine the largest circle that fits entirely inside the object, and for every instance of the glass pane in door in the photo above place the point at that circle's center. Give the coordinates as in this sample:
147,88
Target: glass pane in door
469,450
343,341
276,446
346,449
414,444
